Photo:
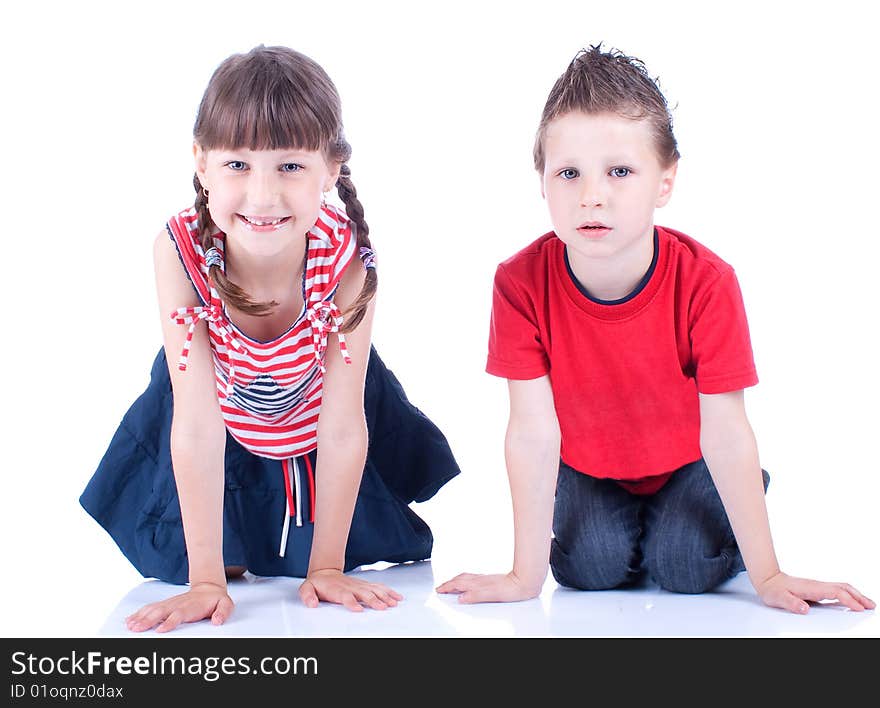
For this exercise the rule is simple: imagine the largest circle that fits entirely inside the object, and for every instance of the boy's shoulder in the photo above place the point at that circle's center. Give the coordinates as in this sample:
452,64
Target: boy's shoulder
534,258
691,255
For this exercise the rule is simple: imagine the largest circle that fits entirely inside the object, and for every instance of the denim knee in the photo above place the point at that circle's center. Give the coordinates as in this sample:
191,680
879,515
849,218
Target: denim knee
690,571
592,569
596,527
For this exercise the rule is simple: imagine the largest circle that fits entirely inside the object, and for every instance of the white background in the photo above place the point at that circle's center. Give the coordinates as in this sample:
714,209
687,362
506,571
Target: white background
775,113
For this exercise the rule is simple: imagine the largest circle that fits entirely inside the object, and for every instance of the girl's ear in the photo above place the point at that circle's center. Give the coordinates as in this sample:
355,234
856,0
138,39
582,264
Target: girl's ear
333,169
201,163
667,182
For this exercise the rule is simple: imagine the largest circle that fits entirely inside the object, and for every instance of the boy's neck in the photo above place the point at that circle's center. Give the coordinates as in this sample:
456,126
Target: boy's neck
613,277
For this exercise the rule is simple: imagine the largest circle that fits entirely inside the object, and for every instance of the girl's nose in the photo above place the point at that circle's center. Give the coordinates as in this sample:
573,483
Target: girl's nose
263,191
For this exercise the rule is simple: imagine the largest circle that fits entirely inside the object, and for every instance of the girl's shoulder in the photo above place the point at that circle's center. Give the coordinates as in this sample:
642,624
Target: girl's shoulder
184,232
332,248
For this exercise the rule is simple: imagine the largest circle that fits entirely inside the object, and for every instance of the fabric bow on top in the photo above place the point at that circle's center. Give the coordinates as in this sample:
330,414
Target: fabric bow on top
325,318
213,314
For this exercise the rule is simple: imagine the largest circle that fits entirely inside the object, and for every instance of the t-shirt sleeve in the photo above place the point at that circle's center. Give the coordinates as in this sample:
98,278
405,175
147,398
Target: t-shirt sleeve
720,341
515,347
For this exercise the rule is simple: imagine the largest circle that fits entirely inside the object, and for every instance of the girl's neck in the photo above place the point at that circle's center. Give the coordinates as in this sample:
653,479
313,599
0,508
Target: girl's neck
615,277
267,277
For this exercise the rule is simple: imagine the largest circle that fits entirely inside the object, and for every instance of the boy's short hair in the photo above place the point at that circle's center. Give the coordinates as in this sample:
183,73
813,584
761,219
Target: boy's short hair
609,82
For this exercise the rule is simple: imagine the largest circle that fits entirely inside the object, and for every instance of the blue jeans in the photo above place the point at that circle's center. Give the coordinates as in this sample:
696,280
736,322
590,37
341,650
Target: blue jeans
605,537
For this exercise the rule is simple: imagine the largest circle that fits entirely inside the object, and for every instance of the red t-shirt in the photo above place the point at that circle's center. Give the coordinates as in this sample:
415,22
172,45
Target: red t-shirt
625,376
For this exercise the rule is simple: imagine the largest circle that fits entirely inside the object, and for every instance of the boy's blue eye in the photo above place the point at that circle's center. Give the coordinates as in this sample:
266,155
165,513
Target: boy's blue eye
620,172
568,173
290,167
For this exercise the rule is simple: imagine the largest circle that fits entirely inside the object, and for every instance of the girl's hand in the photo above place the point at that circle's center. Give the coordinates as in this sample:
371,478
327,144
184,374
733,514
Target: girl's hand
488,588
201,601
792,594
333,585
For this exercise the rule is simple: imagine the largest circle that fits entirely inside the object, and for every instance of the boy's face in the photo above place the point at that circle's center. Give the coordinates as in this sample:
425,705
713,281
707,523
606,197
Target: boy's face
602,181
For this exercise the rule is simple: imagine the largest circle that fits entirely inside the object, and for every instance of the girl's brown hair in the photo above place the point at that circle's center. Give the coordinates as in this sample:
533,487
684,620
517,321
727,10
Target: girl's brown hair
269,99
609,82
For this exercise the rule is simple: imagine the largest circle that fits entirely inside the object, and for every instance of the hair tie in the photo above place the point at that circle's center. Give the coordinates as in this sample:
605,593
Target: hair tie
368,257
213,257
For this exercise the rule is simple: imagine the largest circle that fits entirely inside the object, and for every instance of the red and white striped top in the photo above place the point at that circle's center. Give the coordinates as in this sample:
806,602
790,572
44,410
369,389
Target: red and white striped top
270,392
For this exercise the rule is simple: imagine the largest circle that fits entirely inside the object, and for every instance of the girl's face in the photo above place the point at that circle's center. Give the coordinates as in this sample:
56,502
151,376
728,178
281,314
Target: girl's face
602,181
264,199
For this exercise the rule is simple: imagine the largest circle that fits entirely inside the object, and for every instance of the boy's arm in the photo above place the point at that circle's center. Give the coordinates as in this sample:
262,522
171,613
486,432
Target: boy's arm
531,450
731,454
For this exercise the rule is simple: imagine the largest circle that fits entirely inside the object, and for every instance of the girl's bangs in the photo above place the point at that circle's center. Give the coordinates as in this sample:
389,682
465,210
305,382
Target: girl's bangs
263,117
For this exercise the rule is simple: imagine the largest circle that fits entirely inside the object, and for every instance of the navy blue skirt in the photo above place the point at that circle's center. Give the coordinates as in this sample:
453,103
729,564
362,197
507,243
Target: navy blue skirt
134,497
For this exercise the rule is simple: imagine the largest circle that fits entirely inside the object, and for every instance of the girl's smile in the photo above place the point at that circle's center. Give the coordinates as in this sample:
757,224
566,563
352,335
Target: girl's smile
264,200
262,223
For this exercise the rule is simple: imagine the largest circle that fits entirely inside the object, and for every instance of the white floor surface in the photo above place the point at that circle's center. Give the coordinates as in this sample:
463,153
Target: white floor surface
271,607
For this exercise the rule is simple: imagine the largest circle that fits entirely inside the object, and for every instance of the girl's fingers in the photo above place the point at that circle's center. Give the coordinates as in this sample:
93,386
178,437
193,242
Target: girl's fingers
350,602
385,591
388,598
148,618
173,620
224,609
308,594
372,600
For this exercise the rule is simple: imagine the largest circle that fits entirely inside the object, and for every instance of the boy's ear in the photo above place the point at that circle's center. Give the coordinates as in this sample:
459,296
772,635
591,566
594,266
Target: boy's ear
541,179
667,182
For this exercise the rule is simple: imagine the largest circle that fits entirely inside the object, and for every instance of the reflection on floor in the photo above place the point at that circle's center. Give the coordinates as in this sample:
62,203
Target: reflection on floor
268,607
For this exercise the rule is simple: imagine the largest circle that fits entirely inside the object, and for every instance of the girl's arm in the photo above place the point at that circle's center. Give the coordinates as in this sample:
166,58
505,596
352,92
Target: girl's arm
731,454
531,450
198,440
342,452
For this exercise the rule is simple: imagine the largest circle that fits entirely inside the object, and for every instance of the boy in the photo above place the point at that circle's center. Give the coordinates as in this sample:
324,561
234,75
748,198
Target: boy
627,350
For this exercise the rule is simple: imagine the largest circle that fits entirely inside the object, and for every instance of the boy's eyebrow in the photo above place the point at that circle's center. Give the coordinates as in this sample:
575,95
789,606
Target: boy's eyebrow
613,160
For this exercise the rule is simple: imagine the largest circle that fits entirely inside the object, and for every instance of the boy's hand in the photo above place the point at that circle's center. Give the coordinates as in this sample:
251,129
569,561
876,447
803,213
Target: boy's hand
792,594
201,601
473,588
333,585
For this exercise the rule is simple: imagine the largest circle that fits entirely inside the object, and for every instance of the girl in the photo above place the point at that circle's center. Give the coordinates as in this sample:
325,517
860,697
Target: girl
267,296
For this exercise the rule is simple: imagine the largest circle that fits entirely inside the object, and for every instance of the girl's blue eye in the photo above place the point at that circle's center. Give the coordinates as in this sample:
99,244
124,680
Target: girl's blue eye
290,167
235,165
620,172
568,173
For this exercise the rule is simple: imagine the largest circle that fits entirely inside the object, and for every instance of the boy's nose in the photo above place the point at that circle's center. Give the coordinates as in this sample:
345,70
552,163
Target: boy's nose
592,194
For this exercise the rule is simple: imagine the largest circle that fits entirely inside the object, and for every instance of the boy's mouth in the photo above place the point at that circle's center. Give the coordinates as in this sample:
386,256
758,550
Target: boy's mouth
593,229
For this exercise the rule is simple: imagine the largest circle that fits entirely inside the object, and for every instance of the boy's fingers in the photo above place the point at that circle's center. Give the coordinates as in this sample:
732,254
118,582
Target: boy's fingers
792,603
865,601
460,583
